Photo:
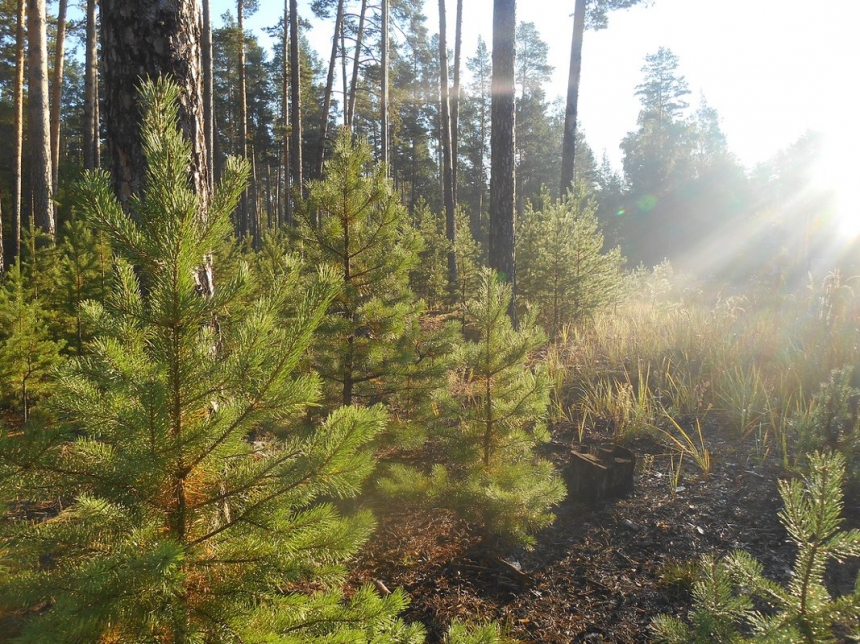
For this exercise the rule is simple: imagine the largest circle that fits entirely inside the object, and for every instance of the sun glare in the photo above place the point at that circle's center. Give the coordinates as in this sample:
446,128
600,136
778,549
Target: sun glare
839,170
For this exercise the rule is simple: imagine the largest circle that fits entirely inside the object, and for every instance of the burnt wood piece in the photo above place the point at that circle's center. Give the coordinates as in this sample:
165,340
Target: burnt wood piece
601,473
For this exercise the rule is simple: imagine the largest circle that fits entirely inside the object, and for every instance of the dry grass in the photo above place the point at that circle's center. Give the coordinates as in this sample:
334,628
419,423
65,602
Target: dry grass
664,358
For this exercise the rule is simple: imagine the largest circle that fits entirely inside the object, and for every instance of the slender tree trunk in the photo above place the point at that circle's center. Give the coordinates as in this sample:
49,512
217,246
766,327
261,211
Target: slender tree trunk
244,210
343,71
151,38
208,92
97,98
2,248
383,100
502,141
269,198
254,199
356,60
329,87
296,106
278,195
447,162
568,148
57,93
475,221
455,99
19,125
39,140
91,97
285,118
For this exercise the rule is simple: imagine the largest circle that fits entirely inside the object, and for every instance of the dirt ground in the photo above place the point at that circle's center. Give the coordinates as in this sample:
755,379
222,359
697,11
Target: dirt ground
598,574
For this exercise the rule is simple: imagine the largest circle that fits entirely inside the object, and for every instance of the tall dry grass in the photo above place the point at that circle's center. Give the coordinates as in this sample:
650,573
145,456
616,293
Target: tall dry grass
672,352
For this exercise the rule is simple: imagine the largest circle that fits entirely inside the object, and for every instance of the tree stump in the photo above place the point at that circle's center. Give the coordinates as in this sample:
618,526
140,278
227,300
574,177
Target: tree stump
601,473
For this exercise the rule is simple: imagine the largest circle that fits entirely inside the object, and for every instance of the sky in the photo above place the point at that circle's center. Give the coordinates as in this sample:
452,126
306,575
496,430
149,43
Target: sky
773,69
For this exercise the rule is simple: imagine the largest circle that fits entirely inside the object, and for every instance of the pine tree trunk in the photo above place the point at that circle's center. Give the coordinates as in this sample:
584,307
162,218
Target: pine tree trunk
356,59
57,92
344,76
502,170
383,100
39,140
296,106
329,87
2,248
447,162
19,125
91,98
455,102
254,199
568,148
285,107
245,225
151,38
269,197
208,93
475,217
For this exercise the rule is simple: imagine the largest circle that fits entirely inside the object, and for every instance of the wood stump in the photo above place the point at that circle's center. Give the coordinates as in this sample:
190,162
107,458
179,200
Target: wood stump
599,473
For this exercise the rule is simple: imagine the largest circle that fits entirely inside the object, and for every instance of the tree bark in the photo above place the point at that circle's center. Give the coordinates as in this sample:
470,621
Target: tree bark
296,106
568,150
285,107
343,72
455,102
503,121
39,140
383,101
19,125
91,97
208,93
57,92
329,87
150,39
2,259
356,59
447,161
245,220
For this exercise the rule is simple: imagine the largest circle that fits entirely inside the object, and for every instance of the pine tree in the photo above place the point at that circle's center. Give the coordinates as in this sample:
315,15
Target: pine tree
84,261
469,265
371,348
28,352
183,518
803,612
429,278
562,267
496,409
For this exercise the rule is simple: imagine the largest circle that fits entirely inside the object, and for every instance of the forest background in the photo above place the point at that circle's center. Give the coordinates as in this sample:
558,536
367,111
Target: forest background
355,346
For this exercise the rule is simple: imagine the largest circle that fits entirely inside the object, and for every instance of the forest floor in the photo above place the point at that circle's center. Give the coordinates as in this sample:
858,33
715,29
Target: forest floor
600,573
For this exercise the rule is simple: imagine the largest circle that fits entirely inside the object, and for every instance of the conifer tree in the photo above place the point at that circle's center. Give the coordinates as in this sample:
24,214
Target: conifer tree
371,348
429,278
469,264
804,612
28,352
496,410
502,403
562,267
84,262
183,518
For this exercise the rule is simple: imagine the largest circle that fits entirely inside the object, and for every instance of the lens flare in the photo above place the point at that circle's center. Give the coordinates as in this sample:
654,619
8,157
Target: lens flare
647,203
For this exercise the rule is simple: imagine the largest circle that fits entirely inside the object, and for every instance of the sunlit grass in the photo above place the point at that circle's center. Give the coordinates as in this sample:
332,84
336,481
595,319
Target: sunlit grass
661,360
